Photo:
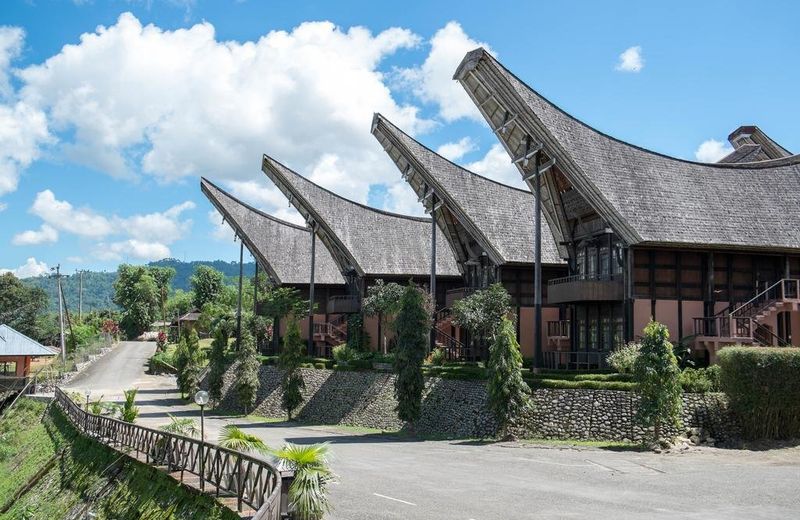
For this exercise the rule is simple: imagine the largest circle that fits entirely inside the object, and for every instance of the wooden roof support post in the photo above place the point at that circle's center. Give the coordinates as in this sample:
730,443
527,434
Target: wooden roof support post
239,309
433,266
537,299
313,226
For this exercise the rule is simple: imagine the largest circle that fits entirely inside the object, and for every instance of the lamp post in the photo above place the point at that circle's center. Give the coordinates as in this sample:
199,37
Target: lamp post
201,398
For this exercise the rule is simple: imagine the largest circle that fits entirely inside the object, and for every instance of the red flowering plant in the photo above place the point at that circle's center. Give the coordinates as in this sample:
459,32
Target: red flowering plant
111,328
161,341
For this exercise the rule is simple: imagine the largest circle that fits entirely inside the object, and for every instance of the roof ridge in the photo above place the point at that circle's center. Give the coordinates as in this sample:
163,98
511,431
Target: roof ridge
345,199
478,175
253,209
476,54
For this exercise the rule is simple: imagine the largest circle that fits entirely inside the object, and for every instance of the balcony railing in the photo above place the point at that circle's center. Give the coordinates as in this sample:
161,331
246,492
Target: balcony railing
575,360
346,304
582,287
558,329
724,327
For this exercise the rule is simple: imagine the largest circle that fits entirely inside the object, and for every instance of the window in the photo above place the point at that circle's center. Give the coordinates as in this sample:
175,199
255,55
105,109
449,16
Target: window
8,368
605,261
591,264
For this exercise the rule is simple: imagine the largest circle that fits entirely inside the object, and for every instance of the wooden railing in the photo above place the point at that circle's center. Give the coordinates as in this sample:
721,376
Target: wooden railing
786,289
724,327
252,481
454,349
575,360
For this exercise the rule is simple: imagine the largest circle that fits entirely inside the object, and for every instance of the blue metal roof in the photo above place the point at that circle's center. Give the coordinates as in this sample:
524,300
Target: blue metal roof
13,343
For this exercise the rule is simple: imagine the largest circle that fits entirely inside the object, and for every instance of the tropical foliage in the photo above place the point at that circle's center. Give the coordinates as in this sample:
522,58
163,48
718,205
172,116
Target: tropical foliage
207,285
412,327
136,292
290,359
623,357
24,308
181,425
188,360
482,312
234,438
308,493
508,393
247,382
383,300
129,409
216,363
658,376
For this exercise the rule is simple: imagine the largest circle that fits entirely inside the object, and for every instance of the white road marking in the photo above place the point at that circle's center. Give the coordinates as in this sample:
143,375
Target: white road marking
555,463
395,499
607,468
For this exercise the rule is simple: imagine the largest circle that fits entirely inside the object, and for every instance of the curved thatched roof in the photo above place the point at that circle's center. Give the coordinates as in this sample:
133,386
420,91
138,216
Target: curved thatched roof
647,197
283,249
371,241
497,216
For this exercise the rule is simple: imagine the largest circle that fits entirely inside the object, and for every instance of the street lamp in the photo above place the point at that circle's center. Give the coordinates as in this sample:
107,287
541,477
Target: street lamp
201,398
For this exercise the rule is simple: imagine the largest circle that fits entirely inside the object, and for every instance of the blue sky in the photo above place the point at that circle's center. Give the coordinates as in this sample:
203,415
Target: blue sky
111,110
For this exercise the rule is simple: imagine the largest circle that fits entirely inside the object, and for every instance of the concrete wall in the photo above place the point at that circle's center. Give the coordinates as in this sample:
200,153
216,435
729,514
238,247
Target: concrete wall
458,408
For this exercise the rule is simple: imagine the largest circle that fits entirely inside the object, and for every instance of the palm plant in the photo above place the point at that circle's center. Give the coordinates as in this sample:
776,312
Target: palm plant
129,409
181,425
308,492
233,438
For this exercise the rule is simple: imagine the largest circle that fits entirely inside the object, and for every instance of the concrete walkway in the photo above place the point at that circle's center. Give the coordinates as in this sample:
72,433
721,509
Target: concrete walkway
384,477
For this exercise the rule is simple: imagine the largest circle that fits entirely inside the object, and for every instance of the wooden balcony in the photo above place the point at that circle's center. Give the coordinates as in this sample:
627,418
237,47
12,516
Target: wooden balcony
558,329
580,288
348,304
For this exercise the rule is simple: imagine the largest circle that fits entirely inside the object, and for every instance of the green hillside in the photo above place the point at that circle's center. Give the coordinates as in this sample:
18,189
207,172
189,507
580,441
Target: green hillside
98,287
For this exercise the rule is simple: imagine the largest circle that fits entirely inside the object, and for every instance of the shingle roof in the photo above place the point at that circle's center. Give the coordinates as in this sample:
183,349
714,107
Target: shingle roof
374,242
283,249
745,153
502,215
13,343
650,197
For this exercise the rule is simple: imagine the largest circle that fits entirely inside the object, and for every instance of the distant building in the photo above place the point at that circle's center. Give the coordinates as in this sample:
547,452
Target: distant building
16,352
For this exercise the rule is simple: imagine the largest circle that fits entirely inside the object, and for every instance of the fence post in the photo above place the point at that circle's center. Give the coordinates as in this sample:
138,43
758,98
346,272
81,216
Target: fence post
286,481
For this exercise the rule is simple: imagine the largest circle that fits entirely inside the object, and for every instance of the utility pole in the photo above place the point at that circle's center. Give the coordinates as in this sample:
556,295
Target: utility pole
80,294
57,269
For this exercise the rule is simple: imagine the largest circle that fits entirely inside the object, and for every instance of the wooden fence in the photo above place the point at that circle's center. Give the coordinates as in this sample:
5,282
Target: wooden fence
252,481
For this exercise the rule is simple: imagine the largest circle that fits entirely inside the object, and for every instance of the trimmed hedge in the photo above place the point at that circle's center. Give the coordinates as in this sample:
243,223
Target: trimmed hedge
625,386
763,385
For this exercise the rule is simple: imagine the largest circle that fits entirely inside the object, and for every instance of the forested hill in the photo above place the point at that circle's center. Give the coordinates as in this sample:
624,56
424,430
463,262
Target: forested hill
98,287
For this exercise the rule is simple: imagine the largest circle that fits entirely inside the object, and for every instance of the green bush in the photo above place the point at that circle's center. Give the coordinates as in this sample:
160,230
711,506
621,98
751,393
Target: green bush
455,372
320,366
763,385
345,354
162,363
436,357
268,360
574,385
700,380
306,365
573,376
623,357
361,364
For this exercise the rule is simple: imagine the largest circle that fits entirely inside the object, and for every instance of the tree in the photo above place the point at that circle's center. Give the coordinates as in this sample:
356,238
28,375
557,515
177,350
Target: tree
508,393
658,376
136,292
207,285
308,493
247,382
412,327
163,277
482,312
217,365
129,409
24,308
383,300
179,303
291,357
188,358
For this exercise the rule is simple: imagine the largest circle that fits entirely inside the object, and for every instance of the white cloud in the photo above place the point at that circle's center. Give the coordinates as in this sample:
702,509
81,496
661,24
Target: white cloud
132,249
165,227
631,60
61,215
400,198
129,99
3,206
458,149
497,165
711,151
75,259
220,230
433,80
266,198
30,268
11,41
44,235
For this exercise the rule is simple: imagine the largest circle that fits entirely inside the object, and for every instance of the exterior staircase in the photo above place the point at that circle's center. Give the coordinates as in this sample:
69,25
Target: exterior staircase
454,349
331,333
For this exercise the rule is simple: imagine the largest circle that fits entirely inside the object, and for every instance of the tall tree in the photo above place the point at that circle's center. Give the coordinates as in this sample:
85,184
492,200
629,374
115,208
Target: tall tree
482,312
412,327
508,393
24,308
247,382
207,285
163,277
658,376
136,292
292,383
383,300
217,365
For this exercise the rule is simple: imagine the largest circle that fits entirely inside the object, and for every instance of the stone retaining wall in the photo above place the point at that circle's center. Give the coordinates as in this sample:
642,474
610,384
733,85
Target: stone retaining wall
455,408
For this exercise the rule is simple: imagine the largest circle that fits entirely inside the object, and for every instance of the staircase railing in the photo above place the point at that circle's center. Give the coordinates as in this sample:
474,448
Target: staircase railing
453,348
786,288
763,335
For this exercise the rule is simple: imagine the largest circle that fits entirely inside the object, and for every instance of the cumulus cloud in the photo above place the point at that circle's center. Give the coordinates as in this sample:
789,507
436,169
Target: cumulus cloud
458,149
433,80
44,235
131,99
631,60
11,41
3,206
132,249
497,165
711,151
400,198
63,216
30,268
266,198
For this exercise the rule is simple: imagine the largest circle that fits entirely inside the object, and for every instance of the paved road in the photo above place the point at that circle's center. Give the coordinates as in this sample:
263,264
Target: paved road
120,369
388,478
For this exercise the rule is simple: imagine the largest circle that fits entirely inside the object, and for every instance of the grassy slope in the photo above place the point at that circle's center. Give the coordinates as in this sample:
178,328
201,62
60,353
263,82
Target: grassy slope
137,492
